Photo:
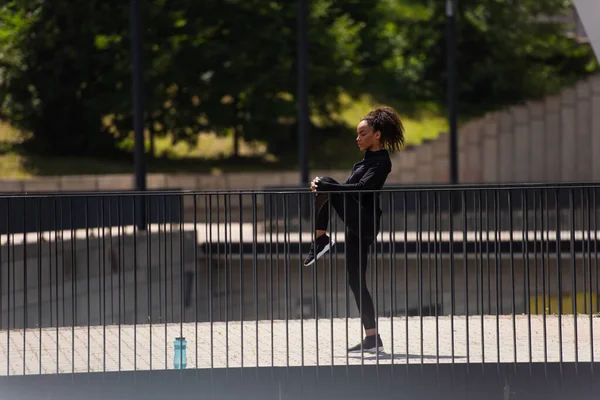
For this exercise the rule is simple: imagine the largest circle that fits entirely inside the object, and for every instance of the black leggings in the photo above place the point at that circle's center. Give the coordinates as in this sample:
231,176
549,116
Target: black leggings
359,237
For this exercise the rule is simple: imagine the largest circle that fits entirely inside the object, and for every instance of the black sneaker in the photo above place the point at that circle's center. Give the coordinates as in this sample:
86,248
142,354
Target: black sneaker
371,344
319,247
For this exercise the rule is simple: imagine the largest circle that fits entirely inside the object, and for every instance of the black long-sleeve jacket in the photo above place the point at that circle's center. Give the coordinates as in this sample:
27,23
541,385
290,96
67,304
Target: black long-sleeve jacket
368,174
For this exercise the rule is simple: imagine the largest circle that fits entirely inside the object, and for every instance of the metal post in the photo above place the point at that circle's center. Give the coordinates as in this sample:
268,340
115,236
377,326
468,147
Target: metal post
138,109
452,90
303,122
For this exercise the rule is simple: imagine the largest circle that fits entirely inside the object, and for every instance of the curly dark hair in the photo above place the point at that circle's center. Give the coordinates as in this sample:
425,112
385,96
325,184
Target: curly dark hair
385,120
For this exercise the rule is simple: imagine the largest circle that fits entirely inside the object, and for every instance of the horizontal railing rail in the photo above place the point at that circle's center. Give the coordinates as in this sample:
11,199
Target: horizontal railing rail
467,274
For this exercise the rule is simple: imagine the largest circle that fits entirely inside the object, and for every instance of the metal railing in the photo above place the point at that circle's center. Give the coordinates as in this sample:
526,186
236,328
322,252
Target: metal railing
458,275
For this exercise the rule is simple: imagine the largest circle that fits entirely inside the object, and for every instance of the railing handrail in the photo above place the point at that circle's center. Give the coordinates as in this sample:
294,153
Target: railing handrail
295,189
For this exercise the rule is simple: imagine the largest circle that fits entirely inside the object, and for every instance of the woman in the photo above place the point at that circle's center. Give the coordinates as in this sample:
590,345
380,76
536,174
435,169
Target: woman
379,133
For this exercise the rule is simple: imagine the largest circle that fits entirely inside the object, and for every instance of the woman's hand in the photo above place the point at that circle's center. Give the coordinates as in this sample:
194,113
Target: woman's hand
314,184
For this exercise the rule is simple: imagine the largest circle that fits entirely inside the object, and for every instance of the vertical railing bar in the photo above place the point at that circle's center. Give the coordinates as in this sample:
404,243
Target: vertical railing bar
277,255
39,279
73,287
241,283
419,243
437,224
481,276
100,244
375,266
589,260
527,273
181,218
345,201
535,256
120,239
229,275
596,250
332,233
360,281
112,267
286,278
466,270
559,277
135,281
87,255
406,281
8,258
498,260
255,273
301,278
227,249
166,282
24,286
219,304
392,251
315,307
512,276
452,280
271,196
195,244
266,254
592,353
429,270
56,278
209,268
62,249
102,221
169,263
574,277
487,251
148,208
546,241
477,251
159,223
51,227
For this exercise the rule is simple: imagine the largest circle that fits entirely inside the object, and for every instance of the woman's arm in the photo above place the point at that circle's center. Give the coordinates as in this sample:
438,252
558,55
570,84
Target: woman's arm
374,177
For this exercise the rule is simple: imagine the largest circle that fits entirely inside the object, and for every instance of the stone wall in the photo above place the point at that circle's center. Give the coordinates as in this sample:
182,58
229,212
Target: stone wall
554,139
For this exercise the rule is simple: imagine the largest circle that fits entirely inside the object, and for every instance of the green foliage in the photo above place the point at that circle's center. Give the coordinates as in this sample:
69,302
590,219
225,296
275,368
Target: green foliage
229,66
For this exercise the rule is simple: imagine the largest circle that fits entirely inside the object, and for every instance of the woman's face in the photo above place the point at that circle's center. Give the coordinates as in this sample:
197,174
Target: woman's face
366,138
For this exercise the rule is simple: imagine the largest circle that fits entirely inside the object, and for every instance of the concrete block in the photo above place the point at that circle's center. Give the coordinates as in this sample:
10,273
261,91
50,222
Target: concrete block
182,181
12,186
45,184
568,145
292,178
595,133
441,161
537,155
536,109
474,152
537,141
424,156
521,144
241,181
489,173
211,182
595,83
568,96
583,158
155,181
267,179
117,182
583,89
506,154
80,183
520,114
409,165
553,140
